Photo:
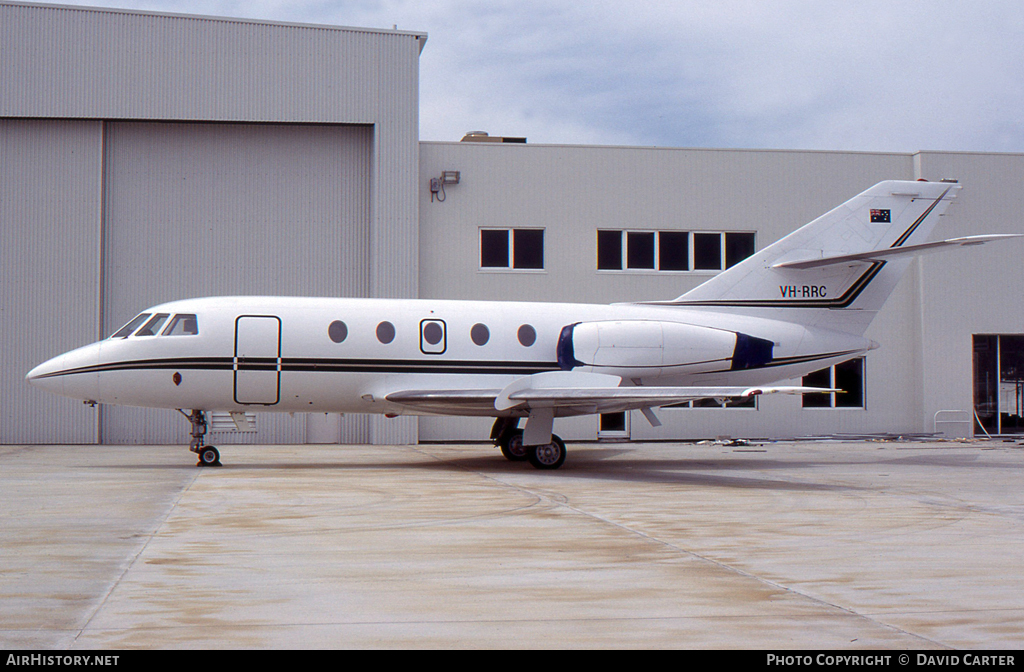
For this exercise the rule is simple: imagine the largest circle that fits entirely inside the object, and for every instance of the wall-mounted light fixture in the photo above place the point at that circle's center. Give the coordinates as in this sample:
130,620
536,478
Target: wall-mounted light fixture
437,184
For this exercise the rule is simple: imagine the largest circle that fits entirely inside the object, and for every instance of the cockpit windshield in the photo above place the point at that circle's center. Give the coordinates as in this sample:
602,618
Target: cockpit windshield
182,324
127,329
153,326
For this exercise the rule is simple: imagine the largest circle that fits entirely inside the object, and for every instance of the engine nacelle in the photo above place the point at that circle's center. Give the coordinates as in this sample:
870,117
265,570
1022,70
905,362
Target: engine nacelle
651,349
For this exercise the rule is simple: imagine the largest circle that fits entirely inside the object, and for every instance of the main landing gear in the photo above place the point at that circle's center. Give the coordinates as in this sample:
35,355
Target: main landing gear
509,438
209,456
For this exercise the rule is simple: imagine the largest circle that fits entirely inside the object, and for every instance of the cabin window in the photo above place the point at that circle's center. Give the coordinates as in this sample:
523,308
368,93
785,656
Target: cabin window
182,324
153,326
433,339
527,335
385,332
127,329
480,334
337,331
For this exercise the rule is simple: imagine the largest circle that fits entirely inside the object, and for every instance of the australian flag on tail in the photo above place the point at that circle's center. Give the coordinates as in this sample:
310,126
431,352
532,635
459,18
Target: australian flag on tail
880,216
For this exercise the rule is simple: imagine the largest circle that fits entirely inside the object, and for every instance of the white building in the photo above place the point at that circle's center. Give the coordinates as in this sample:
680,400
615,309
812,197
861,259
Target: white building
148,157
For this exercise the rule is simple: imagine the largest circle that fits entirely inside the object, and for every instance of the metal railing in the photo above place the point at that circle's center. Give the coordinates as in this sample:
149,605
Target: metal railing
956,421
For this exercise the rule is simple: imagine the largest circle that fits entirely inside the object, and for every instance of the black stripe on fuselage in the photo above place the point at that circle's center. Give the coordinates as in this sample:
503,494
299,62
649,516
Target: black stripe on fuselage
786,361
844,301
317,365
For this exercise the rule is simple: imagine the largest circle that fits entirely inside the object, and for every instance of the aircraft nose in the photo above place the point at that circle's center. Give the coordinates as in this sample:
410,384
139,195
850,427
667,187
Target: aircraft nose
71,374
46,375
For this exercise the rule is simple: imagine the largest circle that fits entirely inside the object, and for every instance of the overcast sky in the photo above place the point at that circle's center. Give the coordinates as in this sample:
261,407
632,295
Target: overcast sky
891,75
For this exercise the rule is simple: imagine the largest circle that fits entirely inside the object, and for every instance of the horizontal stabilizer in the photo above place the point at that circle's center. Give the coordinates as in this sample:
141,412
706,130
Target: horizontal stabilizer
890,252
839,269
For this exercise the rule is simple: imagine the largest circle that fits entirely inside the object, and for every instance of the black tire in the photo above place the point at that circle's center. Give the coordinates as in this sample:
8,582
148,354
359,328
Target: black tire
512,447
551,456
209,457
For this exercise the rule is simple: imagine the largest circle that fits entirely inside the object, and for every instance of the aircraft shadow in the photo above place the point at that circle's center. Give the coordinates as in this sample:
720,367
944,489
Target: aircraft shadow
597,464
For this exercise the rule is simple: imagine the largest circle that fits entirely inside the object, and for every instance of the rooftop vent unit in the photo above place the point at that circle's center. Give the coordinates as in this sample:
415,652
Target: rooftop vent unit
482,136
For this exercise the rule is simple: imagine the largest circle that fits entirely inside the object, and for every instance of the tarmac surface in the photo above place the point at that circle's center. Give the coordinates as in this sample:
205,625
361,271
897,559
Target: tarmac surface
772,546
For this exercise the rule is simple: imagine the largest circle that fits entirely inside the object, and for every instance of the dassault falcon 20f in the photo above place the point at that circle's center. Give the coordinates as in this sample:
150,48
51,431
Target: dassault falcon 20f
798,305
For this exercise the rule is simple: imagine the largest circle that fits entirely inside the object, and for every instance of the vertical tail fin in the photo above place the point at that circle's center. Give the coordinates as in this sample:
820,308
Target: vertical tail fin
839,269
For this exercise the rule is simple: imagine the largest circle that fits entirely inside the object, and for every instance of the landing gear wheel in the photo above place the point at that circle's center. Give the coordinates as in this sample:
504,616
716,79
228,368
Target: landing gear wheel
512,447
209,457
550,456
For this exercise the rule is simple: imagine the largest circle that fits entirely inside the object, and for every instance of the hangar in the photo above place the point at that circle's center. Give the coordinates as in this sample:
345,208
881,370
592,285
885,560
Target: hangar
148,157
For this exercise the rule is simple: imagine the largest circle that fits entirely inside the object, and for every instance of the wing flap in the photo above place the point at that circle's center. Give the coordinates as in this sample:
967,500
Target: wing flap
606,399
575,393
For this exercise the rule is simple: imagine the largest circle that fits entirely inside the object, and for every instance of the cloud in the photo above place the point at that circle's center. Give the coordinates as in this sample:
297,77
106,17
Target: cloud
896,75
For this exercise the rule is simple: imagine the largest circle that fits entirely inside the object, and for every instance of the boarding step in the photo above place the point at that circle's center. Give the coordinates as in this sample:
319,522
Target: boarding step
221,421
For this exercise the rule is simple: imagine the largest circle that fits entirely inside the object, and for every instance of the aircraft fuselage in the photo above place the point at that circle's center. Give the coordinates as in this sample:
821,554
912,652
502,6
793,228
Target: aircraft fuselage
347,355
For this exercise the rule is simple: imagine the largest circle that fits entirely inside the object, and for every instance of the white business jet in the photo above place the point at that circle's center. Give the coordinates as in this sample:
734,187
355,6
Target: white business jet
799,305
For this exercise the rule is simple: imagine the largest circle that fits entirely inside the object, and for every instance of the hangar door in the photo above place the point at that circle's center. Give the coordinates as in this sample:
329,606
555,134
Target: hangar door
194,209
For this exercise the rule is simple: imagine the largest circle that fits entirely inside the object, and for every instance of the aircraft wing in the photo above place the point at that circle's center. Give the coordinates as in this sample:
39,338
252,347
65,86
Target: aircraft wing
470,402
625,398
577,393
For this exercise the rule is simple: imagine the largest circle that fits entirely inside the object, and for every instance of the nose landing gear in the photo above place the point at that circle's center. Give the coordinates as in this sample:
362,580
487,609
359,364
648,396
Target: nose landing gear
209,456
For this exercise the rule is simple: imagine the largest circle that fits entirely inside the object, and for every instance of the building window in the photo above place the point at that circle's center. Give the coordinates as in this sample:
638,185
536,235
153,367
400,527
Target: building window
671,250
738,246
750,402
707,251
847,376
609,250
640,249
999,383
512,248
613,425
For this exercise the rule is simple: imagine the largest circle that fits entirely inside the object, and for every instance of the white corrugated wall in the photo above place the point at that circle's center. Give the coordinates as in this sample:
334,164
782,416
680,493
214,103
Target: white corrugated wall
49,272
61,61
306,186
229,209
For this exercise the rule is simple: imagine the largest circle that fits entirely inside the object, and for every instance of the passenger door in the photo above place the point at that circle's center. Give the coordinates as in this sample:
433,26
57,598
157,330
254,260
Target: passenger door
257,360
